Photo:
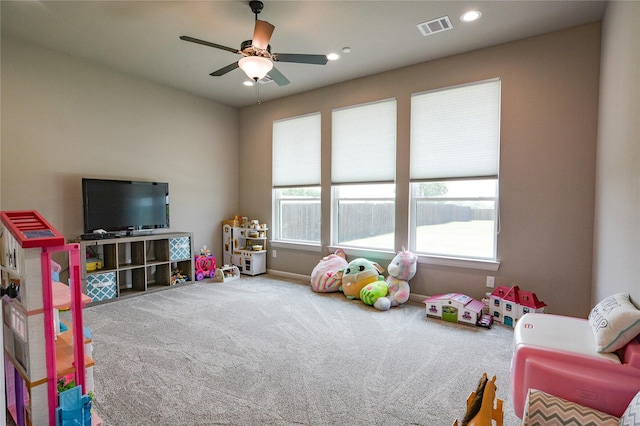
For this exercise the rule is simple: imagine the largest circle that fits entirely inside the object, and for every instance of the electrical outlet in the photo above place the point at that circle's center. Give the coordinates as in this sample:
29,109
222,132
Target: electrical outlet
491,281
273,253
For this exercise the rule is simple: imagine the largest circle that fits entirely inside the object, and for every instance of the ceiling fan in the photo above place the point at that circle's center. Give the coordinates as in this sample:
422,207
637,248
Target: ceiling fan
257,59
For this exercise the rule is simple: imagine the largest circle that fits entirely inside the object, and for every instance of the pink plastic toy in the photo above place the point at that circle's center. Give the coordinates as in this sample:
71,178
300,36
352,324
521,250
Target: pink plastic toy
205,266
454,307
508,304
557,355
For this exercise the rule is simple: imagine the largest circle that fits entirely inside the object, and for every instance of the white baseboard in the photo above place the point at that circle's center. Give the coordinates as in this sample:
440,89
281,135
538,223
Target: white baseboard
290,275
417,298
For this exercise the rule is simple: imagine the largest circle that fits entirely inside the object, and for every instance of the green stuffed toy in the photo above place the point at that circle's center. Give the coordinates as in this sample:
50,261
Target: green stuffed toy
358,273
374,295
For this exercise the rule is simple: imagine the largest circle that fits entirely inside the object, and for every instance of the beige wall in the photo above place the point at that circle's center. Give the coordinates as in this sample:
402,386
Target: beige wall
64,119
547,173
617,218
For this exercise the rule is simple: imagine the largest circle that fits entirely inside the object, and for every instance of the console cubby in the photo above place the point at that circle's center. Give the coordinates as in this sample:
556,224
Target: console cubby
134,265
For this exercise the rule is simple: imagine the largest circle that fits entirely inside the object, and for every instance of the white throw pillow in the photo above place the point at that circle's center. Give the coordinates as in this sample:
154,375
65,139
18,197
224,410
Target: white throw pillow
614,321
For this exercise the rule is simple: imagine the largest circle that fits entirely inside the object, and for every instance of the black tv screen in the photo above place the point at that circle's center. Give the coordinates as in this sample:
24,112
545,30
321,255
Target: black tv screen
119,205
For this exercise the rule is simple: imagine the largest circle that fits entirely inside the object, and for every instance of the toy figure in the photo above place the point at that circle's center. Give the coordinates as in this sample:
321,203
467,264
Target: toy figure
374,295
358,273
326,277
401,269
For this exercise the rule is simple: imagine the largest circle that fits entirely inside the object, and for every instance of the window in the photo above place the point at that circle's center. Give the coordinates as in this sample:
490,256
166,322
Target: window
296,179
298,214
363,175
365,216
455,218
454,171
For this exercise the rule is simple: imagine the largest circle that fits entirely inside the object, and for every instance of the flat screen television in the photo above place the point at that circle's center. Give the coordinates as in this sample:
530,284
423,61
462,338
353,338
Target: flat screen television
120,205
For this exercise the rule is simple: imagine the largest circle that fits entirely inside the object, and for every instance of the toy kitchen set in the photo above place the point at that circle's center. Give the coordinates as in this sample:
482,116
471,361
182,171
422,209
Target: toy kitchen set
244,244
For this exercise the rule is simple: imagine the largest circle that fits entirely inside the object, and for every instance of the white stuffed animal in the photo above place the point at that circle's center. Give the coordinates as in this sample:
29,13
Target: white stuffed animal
401,269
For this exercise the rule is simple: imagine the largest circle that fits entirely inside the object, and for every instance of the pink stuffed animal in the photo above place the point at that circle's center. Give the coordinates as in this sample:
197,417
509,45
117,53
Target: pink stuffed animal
325,277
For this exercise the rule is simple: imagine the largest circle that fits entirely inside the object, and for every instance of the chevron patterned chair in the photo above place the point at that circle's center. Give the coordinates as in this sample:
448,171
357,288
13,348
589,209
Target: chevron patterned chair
543,409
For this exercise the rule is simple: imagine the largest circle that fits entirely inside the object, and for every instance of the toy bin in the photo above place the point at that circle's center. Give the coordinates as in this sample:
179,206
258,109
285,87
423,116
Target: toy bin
227,273
101,286
179,248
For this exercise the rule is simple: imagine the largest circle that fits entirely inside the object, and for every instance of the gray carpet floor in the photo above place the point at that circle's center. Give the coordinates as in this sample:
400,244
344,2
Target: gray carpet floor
267,351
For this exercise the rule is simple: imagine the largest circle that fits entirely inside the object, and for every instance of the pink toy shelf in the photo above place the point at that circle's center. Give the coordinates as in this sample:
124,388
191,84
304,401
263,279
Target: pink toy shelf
33,365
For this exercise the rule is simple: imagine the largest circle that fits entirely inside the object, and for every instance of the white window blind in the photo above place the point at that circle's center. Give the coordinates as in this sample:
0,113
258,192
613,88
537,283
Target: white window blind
296,151
455,132
363,143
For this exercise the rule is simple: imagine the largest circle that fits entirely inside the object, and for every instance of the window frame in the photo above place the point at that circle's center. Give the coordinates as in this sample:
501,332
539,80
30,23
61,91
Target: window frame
453,259
277,215
294,142
335,212
355,159
413,206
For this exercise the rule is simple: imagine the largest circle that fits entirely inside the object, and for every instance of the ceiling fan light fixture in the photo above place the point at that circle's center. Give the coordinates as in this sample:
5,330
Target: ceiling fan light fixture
256,67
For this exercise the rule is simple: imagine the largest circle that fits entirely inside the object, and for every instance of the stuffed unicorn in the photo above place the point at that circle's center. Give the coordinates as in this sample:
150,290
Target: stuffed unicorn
401,269
395,289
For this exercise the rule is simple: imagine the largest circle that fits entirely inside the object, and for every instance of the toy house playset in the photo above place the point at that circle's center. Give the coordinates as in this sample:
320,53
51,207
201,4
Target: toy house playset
508,304
454,307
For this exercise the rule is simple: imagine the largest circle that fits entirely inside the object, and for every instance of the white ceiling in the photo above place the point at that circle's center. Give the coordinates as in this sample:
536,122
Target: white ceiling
141,37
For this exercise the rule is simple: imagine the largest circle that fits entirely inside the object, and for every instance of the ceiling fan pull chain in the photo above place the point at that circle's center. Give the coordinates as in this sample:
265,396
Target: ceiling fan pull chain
258,91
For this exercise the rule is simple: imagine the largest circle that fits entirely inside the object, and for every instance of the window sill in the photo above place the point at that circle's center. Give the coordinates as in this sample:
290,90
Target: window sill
485,265
366,253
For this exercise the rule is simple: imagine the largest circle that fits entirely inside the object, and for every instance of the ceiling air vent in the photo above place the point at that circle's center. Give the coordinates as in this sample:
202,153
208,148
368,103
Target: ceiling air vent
435,26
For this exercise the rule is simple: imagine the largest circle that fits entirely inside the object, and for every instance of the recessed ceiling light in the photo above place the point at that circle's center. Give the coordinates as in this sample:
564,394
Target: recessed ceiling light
346,49
470,16
248,83
333,56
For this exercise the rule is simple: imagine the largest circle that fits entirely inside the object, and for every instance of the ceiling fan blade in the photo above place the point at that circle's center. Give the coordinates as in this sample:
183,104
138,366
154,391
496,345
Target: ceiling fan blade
223,71
300,58
262,34
278,77
208,43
